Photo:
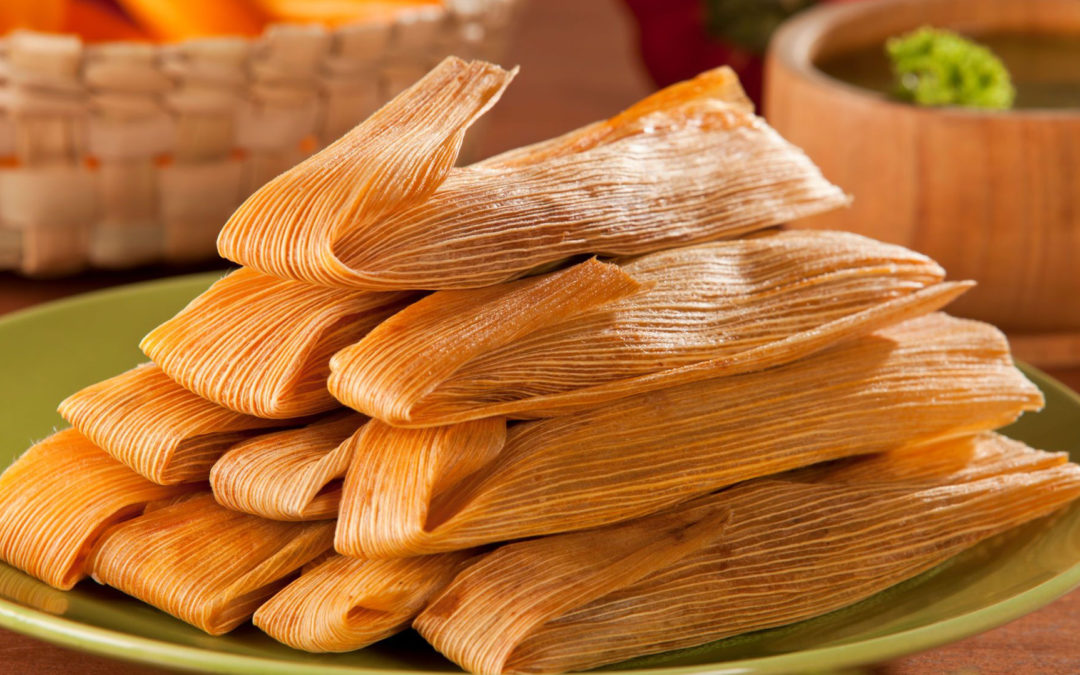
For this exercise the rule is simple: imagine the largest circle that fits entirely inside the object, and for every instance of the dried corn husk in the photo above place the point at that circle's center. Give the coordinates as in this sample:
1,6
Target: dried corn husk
348,603
57,500
288,475
157,427
720,84
203,563
415,491
261,346
382,208
953,461
397,156
737,305
790,550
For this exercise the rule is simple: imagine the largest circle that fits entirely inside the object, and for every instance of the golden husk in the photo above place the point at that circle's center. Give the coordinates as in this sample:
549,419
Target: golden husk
288,475
57,500
416,491
382,208
203,563
157,427
781,549
398,156
721,307
344,603
261,346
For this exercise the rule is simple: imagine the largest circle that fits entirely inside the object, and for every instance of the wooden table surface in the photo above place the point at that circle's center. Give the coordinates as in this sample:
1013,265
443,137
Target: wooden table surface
578,65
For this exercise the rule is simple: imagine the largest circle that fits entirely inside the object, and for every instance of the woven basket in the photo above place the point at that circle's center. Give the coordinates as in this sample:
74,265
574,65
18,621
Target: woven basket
122,154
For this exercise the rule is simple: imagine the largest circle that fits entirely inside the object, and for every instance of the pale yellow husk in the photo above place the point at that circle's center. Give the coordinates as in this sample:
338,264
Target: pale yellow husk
203,563
344,603
717,308
414,491
261,346
288,475
382,208
57,500
157,427
781,549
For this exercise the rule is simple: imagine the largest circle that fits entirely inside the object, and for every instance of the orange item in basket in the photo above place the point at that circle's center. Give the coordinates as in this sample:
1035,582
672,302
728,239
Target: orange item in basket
43,15
171,20
98,21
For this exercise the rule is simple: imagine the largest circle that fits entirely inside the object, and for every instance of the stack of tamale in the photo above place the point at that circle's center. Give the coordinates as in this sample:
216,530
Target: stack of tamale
575,403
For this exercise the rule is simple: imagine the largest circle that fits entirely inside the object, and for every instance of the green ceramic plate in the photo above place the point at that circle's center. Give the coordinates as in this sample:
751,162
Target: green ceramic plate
53,350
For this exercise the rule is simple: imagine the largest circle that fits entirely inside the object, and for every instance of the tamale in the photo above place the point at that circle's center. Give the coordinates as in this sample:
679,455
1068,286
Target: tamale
347,603
790,549
288,475
203,563
399,155
382,208
261,346
956,460
717,308
415,491
57,500
157,427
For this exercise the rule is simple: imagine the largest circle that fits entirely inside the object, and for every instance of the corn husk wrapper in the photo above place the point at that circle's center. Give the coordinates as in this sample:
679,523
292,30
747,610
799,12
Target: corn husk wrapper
954,461
399,155
788,549
261,346
382,208
156,427
701,311
415,491
288,475
57,500
346,603
203,563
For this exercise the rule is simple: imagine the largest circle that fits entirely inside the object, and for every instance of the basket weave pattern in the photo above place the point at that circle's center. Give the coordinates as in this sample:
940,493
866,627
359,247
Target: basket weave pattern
123,154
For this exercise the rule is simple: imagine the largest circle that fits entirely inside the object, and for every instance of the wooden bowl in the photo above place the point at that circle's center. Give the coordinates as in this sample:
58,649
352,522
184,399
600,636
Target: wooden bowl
992,196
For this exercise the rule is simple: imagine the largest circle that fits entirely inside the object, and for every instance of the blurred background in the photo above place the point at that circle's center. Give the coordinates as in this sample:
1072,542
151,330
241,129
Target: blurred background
579,63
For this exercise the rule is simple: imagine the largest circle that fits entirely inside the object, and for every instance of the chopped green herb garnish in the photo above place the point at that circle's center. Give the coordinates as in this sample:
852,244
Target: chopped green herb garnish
936,67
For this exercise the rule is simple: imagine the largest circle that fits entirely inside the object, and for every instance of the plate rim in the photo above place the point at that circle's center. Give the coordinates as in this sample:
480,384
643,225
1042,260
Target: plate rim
125,646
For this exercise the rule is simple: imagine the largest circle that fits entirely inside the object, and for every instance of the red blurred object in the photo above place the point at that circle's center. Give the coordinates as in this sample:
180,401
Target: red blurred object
100,21
681,38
